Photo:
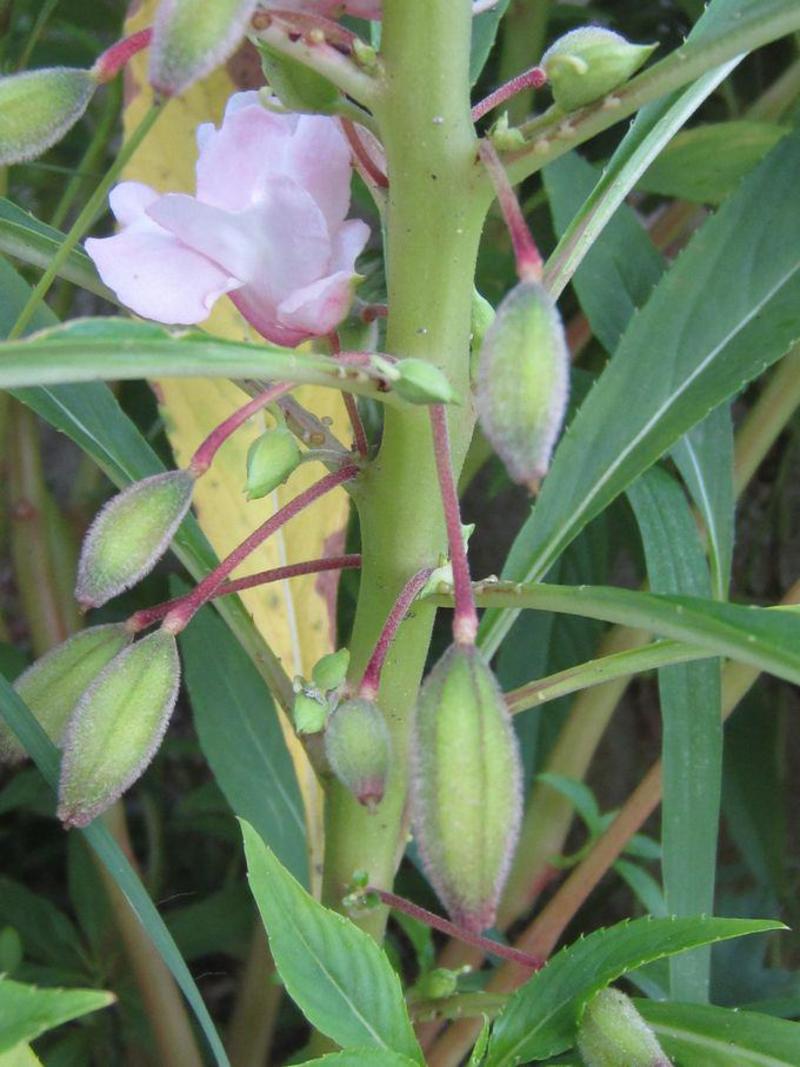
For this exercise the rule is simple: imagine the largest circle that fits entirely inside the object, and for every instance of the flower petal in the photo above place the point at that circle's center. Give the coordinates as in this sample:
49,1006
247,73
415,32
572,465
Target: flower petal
318,158
348,244
321,306
130,200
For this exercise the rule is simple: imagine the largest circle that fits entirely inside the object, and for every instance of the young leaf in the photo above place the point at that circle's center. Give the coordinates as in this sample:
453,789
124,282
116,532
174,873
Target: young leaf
339,978
26,1012
362,1057
541,1018
484,31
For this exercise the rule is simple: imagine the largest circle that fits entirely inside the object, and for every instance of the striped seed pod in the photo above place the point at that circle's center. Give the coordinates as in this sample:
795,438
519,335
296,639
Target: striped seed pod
358,749
585,64
192,37
612,1032
271,458
38,107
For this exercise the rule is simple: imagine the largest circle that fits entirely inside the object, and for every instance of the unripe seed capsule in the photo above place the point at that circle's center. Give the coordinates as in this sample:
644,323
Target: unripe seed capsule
117,727
421,382
612,1033
465,786
309,714
53,684
358,748
585,64
130,535
271,458
330,671
523,382
38,107
192,37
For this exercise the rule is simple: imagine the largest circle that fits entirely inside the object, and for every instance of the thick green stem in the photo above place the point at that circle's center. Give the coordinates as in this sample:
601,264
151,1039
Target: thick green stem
433,226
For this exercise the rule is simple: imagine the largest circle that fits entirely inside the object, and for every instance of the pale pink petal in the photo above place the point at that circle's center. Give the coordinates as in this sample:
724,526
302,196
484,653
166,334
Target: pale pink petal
348,244
130,200
157,277
263,317
319,159
320,307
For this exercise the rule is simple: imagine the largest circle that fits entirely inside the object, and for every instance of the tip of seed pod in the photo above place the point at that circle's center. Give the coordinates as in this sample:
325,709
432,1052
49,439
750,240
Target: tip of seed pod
370,793
475,920
74,818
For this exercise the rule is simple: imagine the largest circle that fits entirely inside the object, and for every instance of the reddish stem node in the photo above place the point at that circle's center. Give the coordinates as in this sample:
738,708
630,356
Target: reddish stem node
534,78
371,682
204,455
526,254
490,947
465,617
111,62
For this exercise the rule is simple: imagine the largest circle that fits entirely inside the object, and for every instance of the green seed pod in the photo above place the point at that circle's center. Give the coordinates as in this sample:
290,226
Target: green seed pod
358,748
421,382
52,685
465,786
130,534
192,37
612,1033
523,382
270,460
117,727
330,671
296,86
308,714
38,107
585,64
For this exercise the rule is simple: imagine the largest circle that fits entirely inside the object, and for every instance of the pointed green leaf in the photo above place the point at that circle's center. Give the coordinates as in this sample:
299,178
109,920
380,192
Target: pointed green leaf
26,1011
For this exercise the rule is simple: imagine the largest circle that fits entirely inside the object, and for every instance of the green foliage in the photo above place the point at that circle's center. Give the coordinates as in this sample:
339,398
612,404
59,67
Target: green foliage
26,1012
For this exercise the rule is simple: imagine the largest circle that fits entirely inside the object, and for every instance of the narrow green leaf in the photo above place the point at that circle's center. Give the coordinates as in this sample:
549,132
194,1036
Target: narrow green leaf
541,1018
362,1057
484,31
242,740
26,1011
336,974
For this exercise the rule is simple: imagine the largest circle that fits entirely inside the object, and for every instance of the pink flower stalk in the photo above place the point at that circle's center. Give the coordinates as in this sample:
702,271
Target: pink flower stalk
267,227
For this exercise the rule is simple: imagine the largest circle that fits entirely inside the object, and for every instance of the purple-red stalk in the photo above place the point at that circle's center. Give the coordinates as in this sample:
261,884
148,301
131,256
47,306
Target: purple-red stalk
362,157
140,620
111,62
422,915
465,617
180,615
534,78
374,311
529,262
351,405
204,455
371,682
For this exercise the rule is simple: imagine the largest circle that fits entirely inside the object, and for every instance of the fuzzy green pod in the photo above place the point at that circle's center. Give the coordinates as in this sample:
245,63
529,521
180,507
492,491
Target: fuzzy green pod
420,382
130,534
585,64
52,685
522,382
38,107
358,748
271,458
117,727
466,779
192,37
612,1033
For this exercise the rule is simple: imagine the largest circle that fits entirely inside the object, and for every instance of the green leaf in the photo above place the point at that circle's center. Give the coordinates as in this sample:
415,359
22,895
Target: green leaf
725,311
337,975
47,934
484,31
242,740
691,744
541,1018
702,1036
26,1011
20,1056
705,164
362,1057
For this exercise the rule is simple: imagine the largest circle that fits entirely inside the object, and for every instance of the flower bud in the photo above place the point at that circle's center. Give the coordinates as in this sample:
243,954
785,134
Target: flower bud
130,534
523,382
38,107
308,714
358,748
421,382
52,685
330,671
465,786
192,37
612,1032
436,984
587,63
117,727
270,460
298,88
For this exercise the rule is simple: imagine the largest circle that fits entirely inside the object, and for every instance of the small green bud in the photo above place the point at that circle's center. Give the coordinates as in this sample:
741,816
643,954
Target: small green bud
523,382
504,137
613,1033
585,64
330,671
436,984
38,107
52,685
11,951
297,86
465,786
192,37
130,534
117,727
358,748
482,318
309,714
421,382
365,55
270,460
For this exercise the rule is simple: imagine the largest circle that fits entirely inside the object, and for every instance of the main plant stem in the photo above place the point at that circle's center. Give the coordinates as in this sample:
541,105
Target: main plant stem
433,226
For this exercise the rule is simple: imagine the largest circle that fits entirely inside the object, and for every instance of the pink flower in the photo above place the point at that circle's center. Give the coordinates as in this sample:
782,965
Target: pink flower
267,227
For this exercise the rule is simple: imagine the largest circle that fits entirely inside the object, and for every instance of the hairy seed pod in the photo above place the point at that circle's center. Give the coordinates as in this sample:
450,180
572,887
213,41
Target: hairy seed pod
585,64
117,727
465,786
38,107
130,534
523,382
52,685
420,382
271,458
612,1032
192,37
358,748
